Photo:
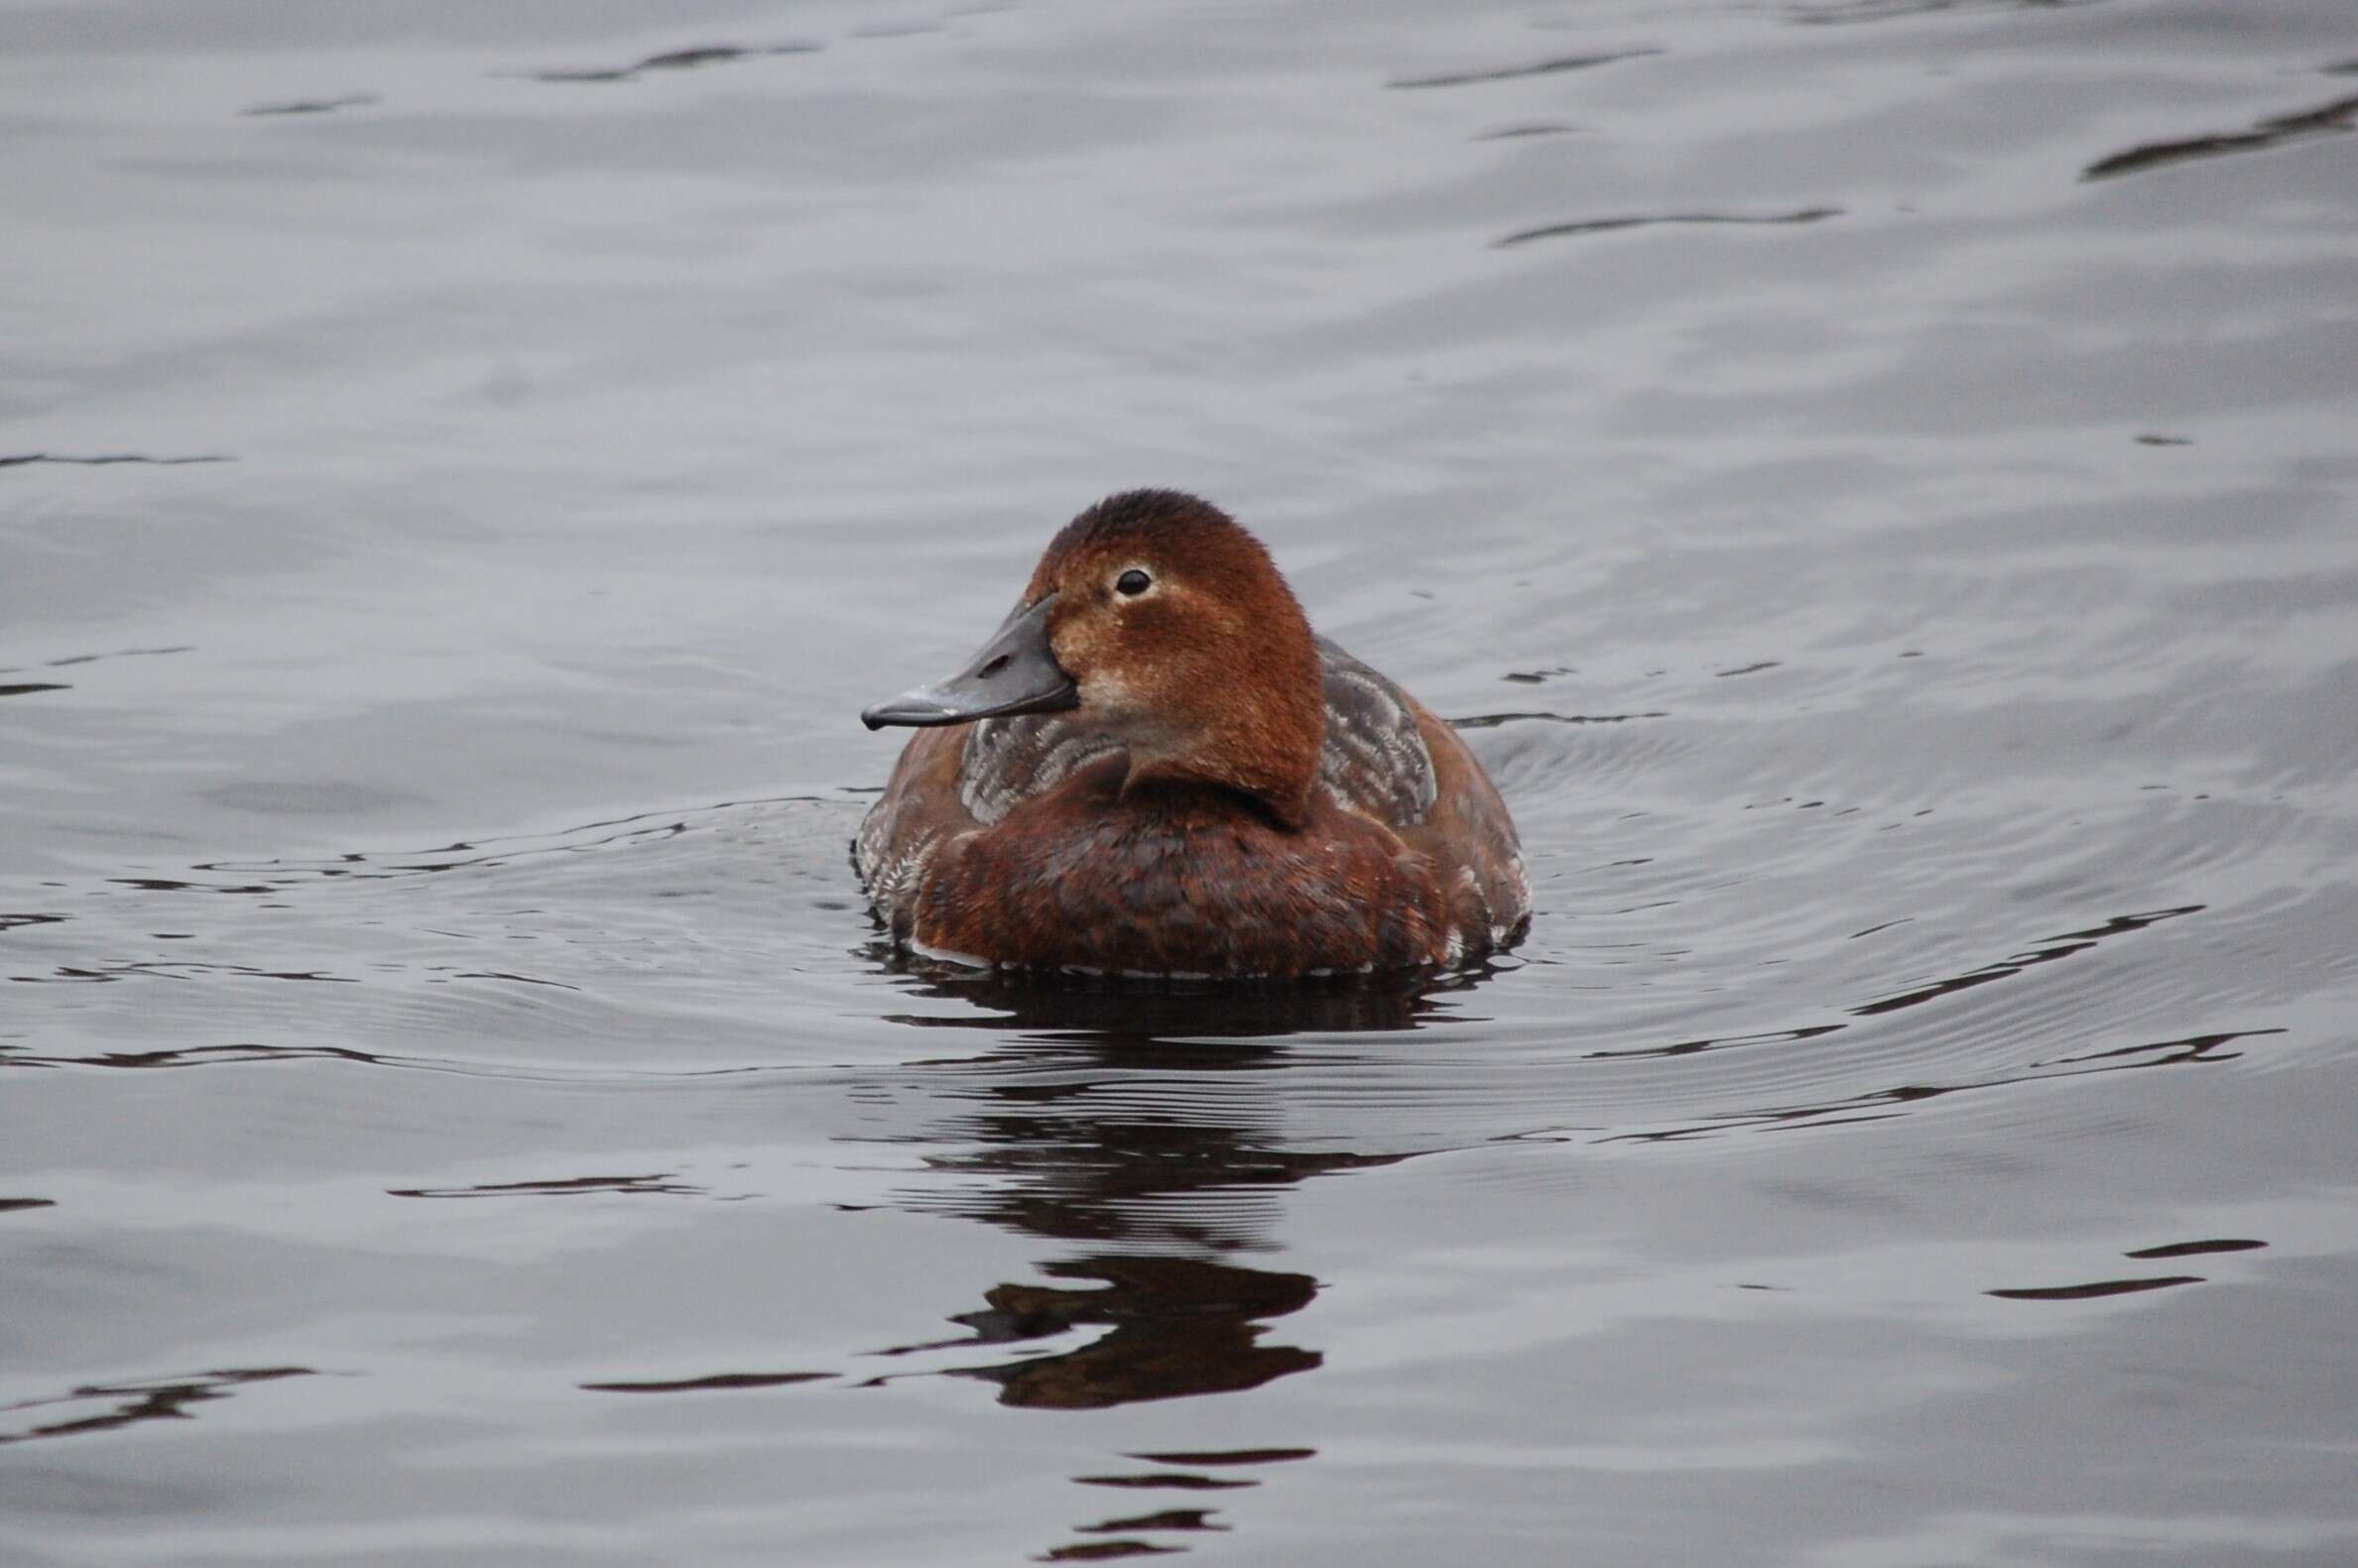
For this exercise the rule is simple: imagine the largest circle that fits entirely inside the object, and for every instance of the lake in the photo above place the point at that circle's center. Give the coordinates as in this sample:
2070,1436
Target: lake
1876,481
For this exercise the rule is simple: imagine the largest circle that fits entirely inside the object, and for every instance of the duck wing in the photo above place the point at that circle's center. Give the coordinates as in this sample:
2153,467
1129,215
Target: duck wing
1390,758
1376,761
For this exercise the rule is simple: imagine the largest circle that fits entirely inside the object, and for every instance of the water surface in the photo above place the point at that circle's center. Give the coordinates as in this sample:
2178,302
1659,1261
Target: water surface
1874,480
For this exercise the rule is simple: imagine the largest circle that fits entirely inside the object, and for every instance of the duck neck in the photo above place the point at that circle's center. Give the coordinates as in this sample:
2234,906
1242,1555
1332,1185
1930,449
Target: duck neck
1268,753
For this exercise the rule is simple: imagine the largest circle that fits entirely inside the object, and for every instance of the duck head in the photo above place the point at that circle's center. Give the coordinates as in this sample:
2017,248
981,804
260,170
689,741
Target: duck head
1154,617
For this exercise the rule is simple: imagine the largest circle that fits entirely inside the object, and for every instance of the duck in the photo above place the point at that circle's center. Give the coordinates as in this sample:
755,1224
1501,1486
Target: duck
1153,768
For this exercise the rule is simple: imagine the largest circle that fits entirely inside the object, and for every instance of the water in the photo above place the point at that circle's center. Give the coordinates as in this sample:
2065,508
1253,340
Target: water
1874,479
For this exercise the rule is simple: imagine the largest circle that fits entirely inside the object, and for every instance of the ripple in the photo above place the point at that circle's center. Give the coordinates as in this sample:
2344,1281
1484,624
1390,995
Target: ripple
1491,721
1103,1551
2197,1248
2326,119
108,460
108,974
658,1184
119,652
1554,66
1581,226
1167,1520
1839,11
353,100
2054,949
246,1054
671,60
121,1404
1534,130
200,1056
2094,1289
714,1382
486,852
1142,1014
1195,1459
1884,1105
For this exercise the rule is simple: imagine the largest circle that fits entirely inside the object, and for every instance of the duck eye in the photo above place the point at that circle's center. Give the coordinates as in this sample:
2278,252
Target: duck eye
1133,582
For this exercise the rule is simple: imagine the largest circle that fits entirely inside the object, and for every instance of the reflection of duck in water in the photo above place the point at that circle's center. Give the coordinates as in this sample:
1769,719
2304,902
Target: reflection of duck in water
1166,772
1162,1021
1158,1163
1177,1315
1176,1326
1165,1198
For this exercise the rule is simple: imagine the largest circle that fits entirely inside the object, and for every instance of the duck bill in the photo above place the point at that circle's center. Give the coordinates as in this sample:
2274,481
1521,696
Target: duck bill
1016,673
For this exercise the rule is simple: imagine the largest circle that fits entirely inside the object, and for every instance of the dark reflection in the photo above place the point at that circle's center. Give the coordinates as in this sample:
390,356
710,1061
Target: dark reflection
209,1056
1883,1105
175,884
108,974
1117,1178
2233,1243
1167,1520
1137,1124
1167,1481
259,1054
26,459
1175,1326
1551,231
509,977
127,1403
27,687
1540,67
355,100
2047,950
1697,1047
1162,1017
1886,10
1105,1551
2095,1288
1231,1456
673,60
660,1184
9,1204
472,854
1491,721
2052,950
717,1381
1515,133
126,652
2324,120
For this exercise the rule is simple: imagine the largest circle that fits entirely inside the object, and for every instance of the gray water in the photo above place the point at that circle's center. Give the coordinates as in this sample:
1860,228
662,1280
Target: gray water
1877,480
